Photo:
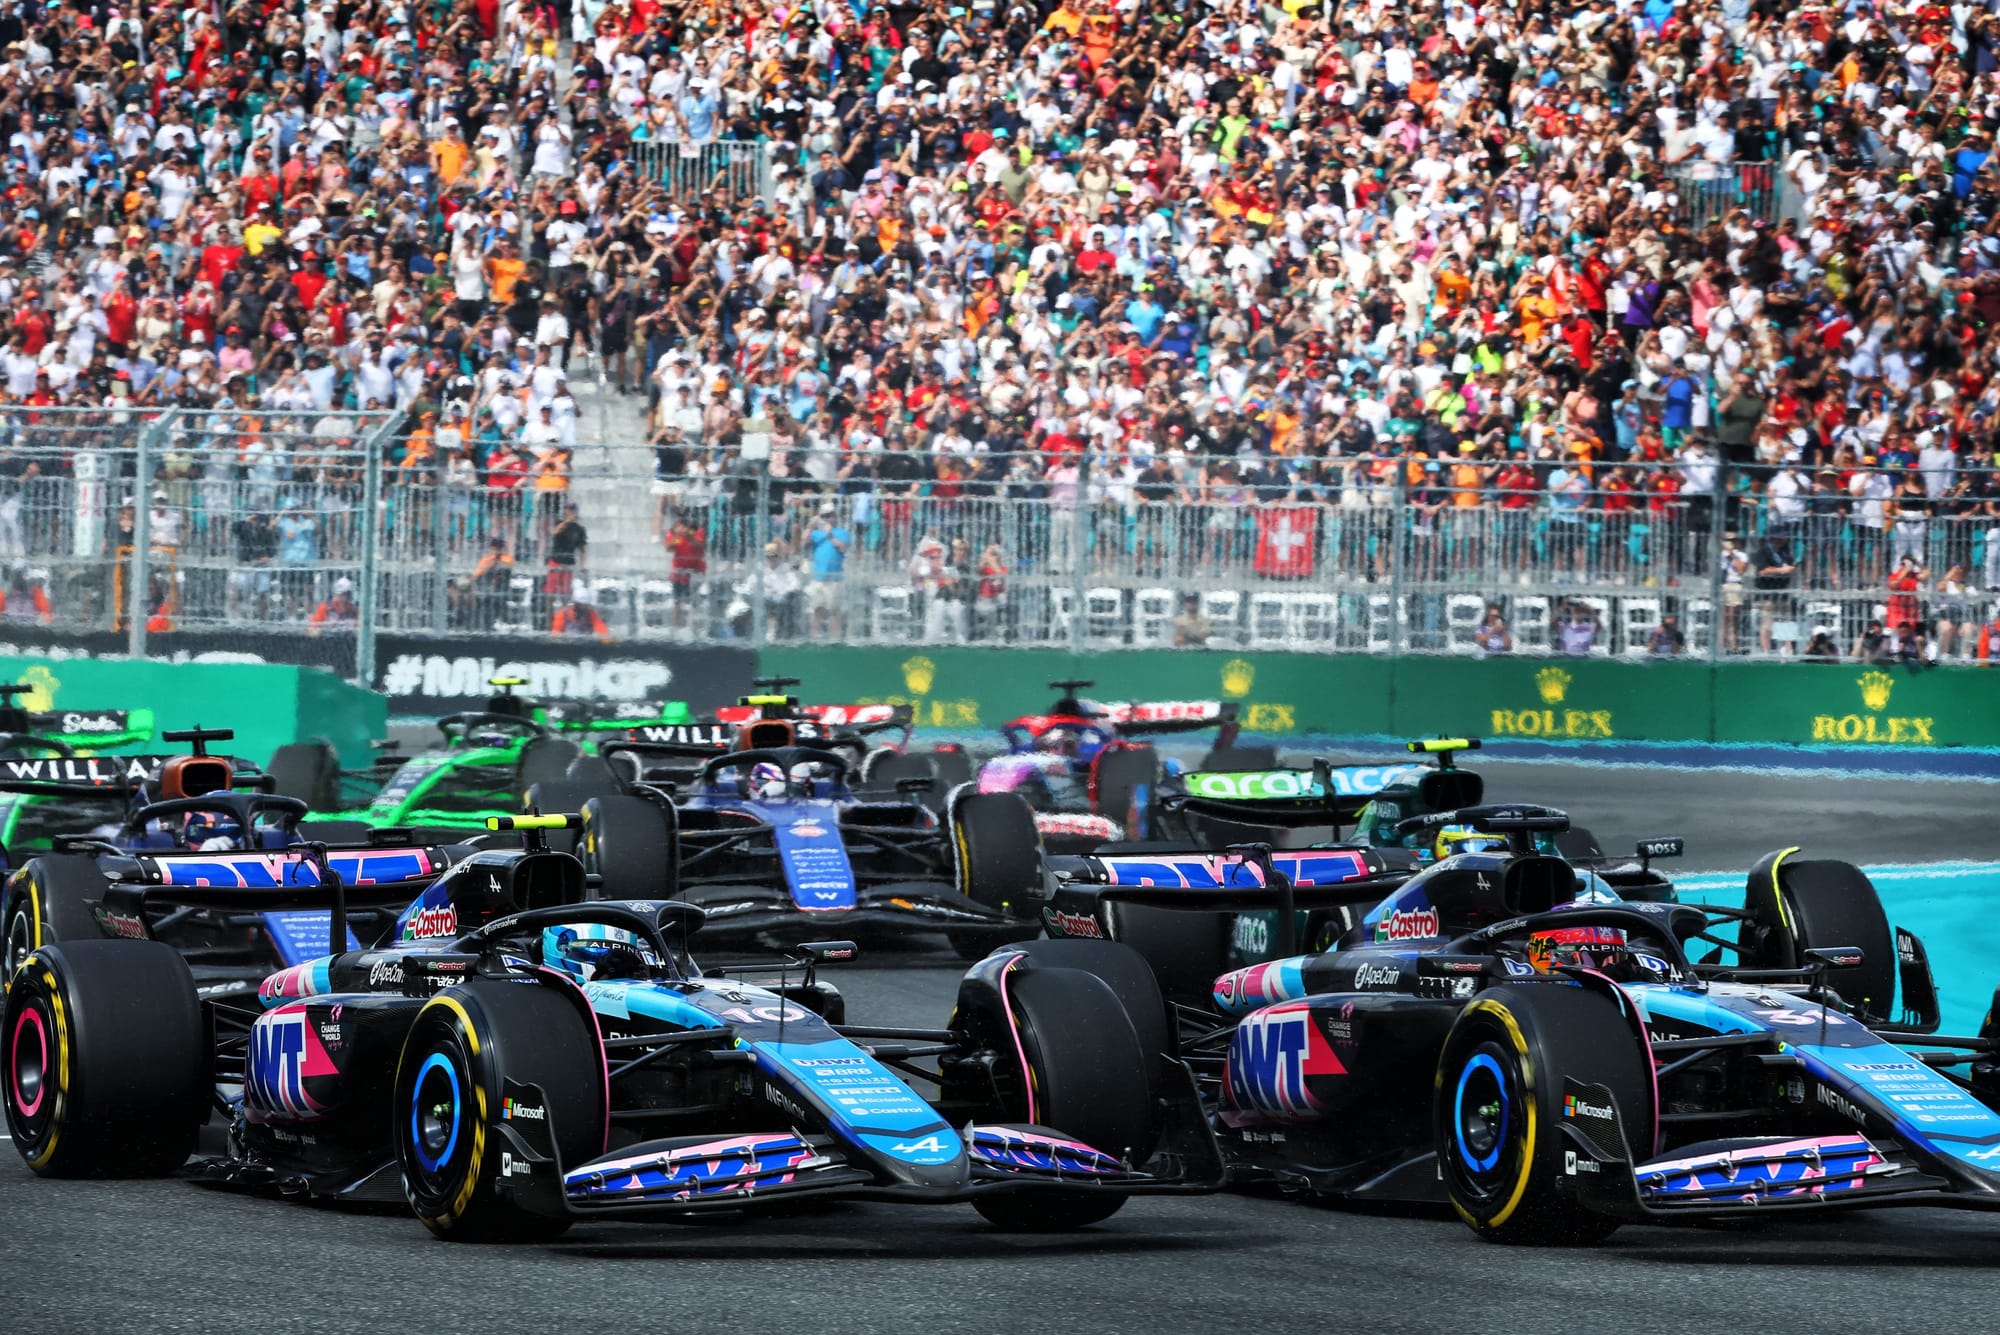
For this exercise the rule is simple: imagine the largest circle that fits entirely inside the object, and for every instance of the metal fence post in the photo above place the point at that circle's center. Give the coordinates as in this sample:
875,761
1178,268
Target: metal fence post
372,537
1079,535
1397,528
1717,525
138,589
760,534
441,556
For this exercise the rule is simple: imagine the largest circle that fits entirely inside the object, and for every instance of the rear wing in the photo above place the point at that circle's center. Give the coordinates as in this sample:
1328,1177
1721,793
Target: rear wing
1257,878
612,715
864,719
1325,794
1148,718
94,729
677,739
76,776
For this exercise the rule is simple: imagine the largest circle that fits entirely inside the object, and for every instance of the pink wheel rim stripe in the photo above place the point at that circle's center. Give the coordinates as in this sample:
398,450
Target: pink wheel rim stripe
14,1068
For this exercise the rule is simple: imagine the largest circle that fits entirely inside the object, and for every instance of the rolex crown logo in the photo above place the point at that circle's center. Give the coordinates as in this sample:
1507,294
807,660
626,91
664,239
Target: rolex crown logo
918,673
1238,676
1553,683
1875,688
43,697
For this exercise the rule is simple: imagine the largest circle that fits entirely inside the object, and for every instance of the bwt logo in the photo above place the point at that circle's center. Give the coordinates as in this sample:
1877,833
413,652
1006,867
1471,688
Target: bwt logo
1270,1056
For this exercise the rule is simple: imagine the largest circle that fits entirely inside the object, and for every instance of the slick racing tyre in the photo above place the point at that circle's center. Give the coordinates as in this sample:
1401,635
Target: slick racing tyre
477,1058
48,900
545,760
953,766
106,1060
1128,975
309,771
633,843
882,770
998,857
553,797
1118,778
1086,1081
1803,906
1500,1106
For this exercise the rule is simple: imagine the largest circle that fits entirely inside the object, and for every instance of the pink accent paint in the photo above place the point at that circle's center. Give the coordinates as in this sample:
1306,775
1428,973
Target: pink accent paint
1842,1144
603,1058
1014,1025
1637,1019
14,1070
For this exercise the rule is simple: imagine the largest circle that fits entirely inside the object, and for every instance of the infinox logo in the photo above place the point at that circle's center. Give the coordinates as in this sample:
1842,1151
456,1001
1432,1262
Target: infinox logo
1412,924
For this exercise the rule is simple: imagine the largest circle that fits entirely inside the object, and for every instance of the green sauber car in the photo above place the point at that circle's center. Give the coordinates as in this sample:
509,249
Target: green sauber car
485,764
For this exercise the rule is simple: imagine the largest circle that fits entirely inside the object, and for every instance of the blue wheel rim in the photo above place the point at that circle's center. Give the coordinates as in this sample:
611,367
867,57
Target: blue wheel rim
426,1121
1474,1160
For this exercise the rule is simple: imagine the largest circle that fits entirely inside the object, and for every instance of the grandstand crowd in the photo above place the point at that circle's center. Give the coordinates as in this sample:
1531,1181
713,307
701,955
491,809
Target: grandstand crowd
1485,257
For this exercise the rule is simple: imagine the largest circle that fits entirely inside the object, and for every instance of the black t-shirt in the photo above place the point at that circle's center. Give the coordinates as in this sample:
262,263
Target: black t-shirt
567,542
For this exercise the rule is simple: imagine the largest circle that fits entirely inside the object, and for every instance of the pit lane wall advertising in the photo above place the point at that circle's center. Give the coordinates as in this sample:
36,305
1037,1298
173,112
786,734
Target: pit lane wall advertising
266,705
1849,705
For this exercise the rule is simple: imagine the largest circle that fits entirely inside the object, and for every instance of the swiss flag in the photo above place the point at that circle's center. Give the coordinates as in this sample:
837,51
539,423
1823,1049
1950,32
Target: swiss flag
1285,535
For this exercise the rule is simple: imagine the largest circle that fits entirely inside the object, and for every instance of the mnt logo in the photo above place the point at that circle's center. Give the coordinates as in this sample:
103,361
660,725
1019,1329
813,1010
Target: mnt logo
1875,688
1553,683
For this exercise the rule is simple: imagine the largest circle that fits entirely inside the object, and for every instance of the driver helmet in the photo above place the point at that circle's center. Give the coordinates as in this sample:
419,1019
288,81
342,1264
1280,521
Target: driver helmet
802,777
592,952
1598,948
1060,741
767,781
211,832
1453,839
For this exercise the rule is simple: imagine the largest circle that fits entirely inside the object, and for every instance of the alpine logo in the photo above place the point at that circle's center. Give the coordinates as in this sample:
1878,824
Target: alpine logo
431,922
1408,925
1072,924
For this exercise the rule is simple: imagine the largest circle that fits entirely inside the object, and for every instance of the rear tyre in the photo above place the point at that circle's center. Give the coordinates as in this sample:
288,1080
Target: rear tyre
593,772
48,900
1802,906
1085,1081
106,1060
309,771
546,760
1499,1107
335,831
633,843
953,765
999,860
462,1050
1240,759
1120,777
882,770
1128,975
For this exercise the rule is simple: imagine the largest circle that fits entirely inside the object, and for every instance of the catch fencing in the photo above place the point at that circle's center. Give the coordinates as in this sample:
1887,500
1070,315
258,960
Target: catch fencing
252,521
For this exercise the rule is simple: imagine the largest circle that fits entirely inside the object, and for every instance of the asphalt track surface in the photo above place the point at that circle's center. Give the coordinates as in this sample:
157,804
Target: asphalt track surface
173,1256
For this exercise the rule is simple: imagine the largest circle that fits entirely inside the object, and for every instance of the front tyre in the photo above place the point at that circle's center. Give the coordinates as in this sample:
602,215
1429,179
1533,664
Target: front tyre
1499,1107
464,1050
104,1060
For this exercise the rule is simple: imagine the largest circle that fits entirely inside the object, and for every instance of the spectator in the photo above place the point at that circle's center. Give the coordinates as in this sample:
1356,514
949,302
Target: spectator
1823,648
1735,575
1905,604
339,612
1876,644
1987,650
491,580
1191,628
1667,639
569,544
1777,569
1492,635
1952,612
687,560
1578,631
24,600
990,604
578,615
827,543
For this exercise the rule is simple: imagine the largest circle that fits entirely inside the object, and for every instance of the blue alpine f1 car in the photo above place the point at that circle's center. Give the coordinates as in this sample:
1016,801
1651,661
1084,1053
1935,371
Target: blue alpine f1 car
1502,1030
511,1059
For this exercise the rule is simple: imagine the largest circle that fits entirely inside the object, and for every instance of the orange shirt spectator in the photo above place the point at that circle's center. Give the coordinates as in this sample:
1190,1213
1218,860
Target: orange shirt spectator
503,271
578,617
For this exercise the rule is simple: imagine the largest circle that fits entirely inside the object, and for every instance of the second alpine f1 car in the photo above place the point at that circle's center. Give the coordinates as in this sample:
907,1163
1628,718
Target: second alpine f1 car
511,1059
1503,1031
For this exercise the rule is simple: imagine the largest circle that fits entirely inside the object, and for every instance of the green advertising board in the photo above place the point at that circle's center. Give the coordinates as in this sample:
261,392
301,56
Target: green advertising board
266,706
1532,698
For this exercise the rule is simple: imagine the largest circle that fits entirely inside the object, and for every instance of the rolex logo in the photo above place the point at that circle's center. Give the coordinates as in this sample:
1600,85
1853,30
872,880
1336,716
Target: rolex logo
1553,683
1238,676
1875,688
918,673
